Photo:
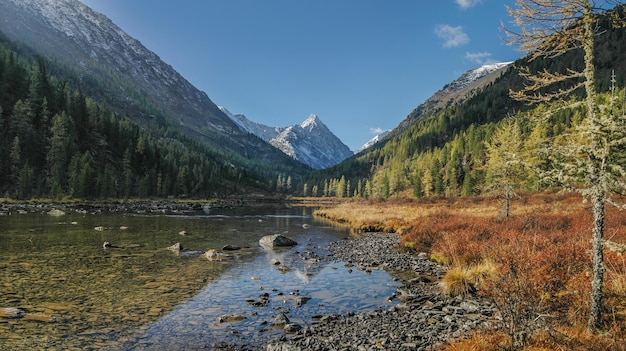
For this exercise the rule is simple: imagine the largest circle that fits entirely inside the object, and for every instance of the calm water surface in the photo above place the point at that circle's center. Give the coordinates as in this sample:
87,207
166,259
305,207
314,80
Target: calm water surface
141,296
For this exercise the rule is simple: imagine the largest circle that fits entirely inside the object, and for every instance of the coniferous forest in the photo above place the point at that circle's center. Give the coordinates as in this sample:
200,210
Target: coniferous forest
55,142
58,142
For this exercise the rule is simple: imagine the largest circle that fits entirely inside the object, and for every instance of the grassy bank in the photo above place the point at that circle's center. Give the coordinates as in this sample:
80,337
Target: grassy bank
535,265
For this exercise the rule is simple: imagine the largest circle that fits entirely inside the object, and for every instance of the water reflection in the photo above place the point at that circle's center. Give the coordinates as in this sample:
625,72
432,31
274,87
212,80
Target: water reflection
141,296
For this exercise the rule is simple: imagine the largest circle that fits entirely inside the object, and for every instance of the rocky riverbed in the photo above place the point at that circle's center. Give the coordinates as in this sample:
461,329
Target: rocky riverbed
422,319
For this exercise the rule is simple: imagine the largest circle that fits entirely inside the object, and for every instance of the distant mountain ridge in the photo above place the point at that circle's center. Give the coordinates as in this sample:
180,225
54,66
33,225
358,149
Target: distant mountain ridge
310,142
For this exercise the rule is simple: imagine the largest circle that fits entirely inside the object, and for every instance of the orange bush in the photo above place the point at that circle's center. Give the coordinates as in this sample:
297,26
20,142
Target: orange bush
544,264
542,255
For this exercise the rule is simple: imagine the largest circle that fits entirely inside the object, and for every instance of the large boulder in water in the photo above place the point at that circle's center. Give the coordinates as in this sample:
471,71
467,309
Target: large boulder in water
276,240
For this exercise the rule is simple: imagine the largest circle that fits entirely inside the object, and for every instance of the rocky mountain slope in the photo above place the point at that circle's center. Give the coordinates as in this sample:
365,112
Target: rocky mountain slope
263,131
462,88
114,68
310,142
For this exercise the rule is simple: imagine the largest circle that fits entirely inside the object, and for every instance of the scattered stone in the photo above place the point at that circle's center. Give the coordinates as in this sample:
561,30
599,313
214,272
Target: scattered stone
123,227
99,228
183,233
283,269
12,312
306,226
213,255
301,300
176,247
280,321
231,248
261,301
423,319
56,212
292,328
276,240
231,317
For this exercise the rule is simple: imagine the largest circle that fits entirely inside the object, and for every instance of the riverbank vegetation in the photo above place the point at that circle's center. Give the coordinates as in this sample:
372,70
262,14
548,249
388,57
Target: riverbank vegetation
535,265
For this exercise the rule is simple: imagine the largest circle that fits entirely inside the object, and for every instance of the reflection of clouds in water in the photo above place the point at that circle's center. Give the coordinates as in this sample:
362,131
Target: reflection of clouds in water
302,275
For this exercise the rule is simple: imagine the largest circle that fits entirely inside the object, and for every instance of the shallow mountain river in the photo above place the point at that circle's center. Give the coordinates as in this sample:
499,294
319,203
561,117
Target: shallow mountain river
60,289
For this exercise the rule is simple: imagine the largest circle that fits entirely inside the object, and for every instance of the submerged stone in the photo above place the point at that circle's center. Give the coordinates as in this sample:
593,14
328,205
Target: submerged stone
280,321
176,247
231,317
231,248
56,212
12,312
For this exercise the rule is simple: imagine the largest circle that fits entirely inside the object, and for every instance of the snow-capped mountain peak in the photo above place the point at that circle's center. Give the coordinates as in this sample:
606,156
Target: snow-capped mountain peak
309,142
310,122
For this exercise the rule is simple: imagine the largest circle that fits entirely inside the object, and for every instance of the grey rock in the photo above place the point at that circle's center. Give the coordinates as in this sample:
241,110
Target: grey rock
12,312
280,321
276,240
292,328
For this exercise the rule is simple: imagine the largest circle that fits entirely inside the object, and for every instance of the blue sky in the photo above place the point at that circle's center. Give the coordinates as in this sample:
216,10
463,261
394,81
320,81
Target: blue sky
360,65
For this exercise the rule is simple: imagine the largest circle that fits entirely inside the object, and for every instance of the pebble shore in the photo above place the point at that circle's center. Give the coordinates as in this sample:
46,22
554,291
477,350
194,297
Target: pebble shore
422,318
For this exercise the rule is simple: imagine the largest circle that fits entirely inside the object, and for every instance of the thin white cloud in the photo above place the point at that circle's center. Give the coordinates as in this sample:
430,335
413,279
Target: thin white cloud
452,36
466,4
481,58
377,130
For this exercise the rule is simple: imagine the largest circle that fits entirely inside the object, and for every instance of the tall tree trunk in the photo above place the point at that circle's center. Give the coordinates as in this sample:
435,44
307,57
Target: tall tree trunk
597,280
507,201
597,194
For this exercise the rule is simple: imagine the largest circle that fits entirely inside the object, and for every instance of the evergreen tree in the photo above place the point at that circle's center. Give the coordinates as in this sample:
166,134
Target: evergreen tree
57,157
551,29
25,183
505,167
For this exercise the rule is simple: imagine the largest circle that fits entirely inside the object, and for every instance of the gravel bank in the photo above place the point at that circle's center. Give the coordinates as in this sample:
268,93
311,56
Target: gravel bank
421,319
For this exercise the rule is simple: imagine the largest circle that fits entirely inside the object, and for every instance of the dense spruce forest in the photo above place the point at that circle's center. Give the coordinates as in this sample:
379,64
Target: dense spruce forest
55,142
444,153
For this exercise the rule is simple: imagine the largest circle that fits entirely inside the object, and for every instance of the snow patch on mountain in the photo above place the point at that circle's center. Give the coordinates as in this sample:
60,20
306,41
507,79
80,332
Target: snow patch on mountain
263,131
372,141
473,75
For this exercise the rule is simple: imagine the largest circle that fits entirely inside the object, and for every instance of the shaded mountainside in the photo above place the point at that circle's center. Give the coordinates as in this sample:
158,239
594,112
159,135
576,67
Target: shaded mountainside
113,68
57,143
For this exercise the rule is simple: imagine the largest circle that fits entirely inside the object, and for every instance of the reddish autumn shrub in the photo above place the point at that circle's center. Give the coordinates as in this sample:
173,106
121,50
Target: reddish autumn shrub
542,286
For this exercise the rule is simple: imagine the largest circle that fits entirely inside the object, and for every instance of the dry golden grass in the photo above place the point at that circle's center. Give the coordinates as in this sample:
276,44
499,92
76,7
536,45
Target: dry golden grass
464,280
457,281
534,263
397,215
